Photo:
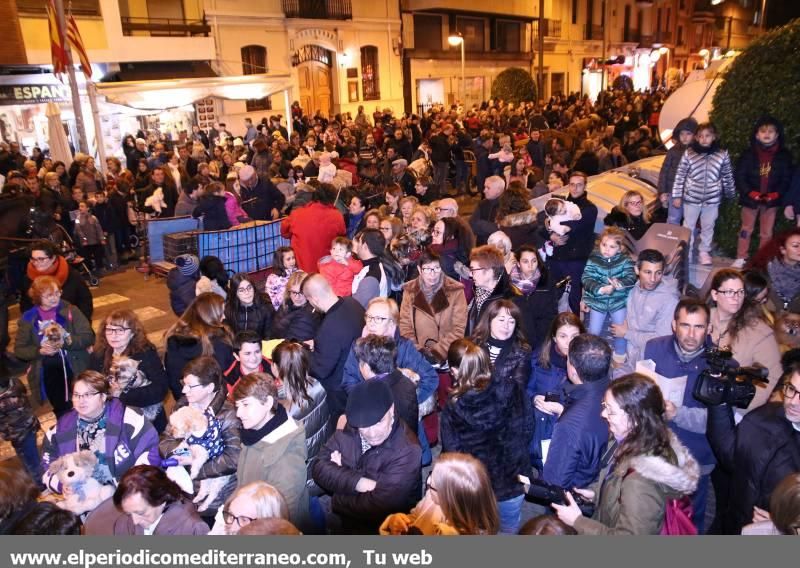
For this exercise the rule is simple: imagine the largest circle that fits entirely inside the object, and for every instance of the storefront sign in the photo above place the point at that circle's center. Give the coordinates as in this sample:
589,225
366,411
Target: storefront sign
32,94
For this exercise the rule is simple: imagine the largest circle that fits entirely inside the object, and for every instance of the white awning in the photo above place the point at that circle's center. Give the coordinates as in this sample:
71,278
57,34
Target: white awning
170,93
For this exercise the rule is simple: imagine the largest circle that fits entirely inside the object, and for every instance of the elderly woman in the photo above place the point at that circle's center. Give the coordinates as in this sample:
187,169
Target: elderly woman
257,500
739,325
631,215
203,389
490,281
53,336
434,312
120,437
146,503
122,335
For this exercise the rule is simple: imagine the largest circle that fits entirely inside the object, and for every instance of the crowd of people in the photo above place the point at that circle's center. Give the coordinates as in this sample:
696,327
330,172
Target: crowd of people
395,334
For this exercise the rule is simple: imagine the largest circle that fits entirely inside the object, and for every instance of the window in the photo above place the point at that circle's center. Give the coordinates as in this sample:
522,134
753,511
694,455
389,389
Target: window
574,11
509,36
79,7
472,31
427,32
680,35
370,79
254,61
626,30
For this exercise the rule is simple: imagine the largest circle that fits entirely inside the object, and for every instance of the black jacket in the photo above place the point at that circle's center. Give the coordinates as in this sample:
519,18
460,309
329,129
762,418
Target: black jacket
404,392
294,322
181,290
212,209
748,178
580,240
758,454
635,226
340,326
257,317
394,466
538,309
181,349
265,196
484,219
440,149
75,291
503,289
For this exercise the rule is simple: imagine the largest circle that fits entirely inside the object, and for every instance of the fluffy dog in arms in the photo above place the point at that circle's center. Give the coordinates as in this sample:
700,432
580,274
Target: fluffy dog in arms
82,492
53,334
125,375
202,440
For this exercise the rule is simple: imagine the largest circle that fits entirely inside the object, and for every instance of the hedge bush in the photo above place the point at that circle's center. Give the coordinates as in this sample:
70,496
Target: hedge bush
763,79
515,85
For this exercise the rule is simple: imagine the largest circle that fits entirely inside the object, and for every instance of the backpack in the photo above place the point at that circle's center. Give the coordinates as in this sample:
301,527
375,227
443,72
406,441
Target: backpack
678,518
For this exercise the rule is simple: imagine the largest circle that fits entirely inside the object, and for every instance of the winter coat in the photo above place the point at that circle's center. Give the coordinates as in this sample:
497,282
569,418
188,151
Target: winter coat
340,276
503,289
16,415
636,227
579,437
631,497
596,275
785,279
609,162
758,454
181,349
580,239
370,282
256,317
521,228
227,462
538,308
703,175
483,221
438,323
267,197
545,380
233,210
588,163
74,290
316,420
394,466
29,341
180,518
181,290
88,231
293,322
311,229
142,397
666,176
130,440
450,253
279,458
495,426
185,205
779,171
212,209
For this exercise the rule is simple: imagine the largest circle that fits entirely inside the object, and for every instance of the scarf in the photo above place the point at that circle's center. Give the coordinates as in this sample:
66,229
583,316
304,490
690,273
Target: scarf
429,293
92,436
525,285
59,270
496,346
252,437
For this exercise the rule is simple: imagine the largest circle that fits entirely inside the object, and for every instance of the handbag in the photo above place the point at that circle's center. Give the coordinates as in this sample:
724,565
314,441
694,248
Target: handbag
678,518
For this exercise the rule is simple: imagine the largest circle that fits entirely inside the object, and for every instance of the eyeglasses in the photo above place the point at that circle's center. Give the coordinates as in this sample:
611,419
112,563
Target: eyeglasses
446,209
247,288
375,319
437,232
117,330
474,270
230,518
40,258
789,391
295,292
85,396
191,386
608,410
635,203
431,269
429,483
732,293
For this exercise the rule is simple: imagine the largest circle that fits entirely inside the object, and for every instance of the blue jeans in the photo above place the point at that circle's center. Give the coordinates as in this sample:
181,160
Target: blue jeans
427,457
699,499
462,175
510,511
596,321
674,214
28,454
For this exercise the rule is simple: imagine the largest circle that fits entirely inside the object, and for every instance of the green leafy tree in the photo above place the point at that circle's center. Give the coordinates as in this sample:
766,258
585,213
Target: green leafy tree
514,85
761,80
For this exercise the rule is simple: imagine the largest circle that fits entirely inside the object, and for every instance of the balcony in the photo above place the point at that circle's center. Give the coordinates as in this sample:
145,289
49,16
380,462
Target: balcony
552,28
630,36
664,37
318,9
592,32
164,27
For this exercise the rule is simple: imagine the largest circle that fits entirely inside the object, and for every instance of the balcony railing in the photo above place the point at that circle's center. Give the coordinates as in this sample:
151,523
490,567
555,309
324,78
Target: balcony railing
552,28
664,37
631,36
592,32
165,27
318,9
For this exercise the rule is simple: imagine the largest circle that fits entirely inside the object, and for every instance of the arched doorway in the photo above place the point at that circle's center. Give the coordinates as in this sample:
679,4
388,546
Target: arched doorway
315,82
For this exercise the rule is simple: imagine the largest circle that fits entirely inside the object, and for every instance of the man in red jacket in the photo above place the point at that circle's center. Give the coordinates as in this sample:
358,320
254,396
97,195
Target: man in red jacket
312,228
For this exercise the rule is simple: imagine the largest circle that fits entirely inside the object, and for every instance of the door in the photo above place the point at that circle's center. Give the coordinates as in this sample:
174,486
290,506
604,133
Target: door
315,87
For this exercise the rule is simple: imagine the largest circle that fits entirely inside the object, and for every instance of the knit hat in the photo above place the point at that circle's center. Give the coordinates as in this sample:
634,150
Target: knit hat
368,403
188,264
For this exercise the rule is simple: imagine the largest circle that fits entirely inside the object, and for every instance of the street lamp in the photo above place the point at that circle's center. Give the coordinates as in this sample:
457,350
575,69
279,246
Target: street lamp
458,39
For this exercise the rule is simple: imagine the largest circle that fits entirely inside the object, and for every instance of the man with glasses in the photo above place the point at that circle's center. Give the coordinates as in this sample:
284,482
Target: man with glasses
758,453
447,207
45,261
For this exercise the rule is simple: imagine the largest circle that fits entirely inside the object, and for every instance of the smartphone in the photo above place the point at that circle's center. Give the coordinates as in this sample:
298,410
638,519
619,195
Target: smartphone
552,397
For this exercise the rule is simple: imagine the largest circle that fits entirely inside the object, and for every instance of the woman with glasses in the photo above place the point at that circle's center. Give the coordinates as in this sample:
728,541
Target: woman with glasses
257,500
490,282
489,418
630,215
119,436
452,240
739,325
296,318
433,313
45,260
390,227
643,468
246,308
121,334
53,337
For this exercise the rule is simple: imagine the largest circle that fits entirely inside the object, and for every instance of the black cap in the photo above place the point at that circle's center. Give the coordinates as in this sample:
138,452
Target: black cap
368,403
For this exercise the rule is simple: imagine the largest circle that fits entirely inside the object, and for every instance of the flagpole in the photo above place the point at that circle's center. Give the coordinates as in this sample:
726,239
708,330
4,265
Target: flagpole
83,144
98,133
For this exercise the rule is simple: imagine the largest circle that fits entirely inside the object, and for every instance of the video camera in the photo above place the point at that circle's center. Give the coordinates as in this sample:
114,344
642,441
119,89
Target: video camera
547,493
722,383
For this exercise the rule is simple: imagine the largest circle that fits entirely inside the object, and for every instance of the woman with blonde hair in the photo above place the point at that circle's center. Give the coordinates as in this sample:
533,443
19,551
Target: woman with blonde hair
295,318
257,500
458,500
631,215
199,331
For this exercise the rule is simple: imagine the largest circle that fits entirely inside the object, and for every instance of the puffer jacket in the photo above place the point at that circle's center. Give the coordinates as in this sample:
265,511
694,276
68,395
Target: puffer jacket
521,228
256,317
779,170
636,227
16,415
181,290
631,497
703,175
596,274
224,465
545,380
666,176
315,418
295,322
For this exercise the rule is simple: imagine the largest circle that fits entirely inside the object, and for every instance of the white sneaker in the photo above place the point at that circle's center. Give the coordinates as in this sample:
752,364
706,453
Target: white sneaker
705,259
738,263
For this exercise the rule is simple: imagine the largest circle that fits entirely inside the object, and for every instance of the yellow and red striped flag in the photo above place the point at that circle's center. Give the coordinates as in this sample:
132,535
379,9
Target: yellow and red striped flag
75,40
58,51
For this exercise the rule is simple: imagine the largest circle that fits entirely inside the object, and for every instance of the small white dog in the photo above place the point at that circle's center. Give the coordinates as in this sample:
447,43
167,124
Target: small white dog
156,201
82,492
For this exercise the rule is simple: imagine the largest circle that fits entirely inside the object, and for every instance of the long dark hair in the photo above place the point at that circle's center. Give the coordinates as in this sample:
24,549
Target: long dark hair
483,329
293,360
474,368
562,319
212,268
232,302
278,267
455,229
640,398
749,313
376,243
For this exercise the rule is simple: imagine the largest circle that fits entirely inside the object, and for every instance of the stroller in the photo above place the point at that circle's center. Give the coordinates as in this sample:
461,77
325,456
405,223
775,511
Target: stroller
70,253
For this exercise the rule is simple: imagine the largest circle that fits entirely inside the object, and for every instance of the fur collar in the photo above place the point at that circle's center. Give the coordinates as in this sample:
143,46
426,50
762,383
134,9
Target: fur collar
681,478
522,218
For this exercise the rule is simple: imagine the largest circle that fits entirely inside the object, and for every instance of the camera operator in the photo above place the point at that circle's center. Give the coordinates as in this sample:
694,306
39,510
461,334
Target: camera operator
679,355
758,453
